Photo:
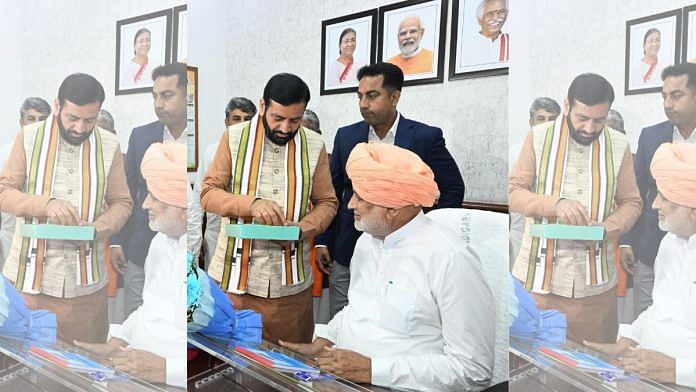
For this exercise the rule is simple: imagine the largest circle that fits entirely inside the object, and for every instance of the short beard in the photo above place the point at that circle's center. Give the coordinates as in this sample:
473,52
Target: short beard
585,141
65,134
271,134
407,52
376,228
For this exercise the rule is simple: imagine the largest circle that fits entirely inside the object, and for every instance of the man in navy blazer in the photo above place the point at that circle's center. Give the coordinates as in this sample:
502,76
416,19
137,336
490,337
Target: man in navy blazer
379,92
130,246
639,246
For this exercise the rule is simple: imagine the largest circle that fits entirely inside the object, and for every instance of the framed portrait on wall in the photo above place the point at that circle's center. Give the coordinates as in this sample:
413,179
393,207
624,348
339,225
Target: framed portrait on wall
180,36
480,43
192,118
689,36
347,44
412,36
652,43
142,44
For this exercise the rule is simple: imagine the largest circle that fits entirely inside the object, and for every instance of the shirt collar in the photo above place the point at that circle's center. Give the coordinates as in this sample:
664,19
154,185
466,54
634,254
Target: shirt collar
168,134
413,226
391,130
677,136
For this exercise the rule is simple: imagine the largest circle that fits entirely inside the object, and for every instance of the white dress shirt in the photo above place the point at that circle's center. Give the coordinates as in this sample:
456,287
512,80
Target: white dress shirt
159,324
419,307
677,137
669,324
168,137
389,138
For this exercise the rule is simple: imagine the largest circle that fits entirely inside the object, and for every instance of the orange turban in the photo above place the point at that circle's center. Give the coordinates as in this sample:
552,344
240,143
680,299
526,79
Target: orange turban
674,168
390,176
164,170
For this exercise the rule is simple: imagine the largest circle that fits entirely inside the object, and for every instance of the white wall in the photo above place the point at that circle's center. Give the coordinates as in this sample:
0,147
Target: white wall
10,69
262,38
562,39
70,36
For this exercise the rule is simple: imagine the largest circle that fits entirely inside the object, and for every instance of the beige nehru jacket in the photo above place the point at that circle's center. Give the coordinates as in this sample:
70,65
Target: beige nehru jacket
568,279
265,262
60,265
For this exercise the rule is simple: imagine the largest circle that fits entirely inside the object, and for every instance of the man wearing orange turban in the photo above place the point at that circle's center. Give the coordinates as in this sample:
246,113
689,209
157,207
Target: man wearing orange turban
156,335
666,331
413,289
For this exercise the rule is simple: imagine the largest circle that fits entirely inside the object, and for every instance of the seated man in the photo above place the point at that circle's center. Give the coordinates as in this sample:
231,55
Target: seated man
666,331
156,332
418,314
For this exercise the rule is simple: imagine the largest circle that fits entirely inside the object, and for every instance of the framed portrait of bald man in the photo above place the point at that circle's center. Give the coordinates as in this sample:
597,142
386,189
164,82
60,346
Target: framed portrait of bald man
480,43
652,44
347,44
689,35
412,37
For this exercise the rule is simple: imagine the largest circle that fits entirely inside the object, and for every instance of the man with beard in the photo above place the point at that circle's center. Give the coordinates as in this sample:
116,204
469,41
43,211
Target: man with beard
66,171
414,58
576,171
639,246
419,316
379,92
129,247
490,44
274,169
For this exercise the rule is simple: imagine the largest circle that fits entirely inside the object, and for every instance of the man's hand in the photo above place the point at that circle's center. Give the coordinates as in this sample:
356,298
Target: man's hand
571,212
612,349
62,212
141,364
323,259
267,212
651,364
628,261
118,259
108,349
311,349
346,364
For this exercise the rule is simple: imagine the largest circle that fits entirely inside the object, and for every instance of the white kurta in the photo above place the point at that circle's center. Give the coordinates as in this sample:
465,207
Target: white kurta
159,324
483,50
669,324
419,307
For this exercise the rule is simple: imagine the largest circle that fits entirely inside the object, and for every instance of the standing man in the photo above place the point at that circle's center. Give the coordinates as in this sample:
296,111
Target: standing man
33,110
66,171
414,58
129,247
238,110
379,92
491,45
274,169
576,171
639,246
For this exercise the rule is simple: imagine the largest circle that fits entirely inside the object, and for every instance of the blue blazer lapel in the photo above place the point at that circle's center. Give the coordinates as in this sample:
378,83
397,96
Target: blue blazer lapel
404,133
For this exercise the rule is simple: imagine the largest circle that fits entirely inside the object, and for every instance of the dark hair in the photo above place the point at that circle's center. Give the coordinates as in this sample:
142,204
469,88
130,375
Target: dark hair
80,89
544,103
343,33
590,89
178,69
137,33
650,31
286,89
393,75
688,69
36,103
240,103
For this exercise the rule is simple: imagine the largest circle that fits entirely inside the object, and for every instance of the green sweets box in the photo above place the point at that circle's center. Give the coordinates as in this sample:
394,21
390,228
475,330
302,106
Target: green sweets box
58,232
263,232
568,232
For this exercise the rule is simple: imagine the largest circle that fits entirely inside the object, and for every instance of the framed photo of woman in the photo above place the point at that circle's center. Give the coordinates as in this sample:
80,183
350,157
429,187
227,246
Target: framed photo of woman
689,36
412,37
142,44
347,44
652,43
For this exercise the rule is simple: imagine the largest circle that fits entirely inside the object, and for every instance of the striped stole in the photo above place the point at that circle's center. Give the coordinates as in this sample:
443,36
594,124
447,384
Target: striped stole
504,54
245,179
550,175
40,177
